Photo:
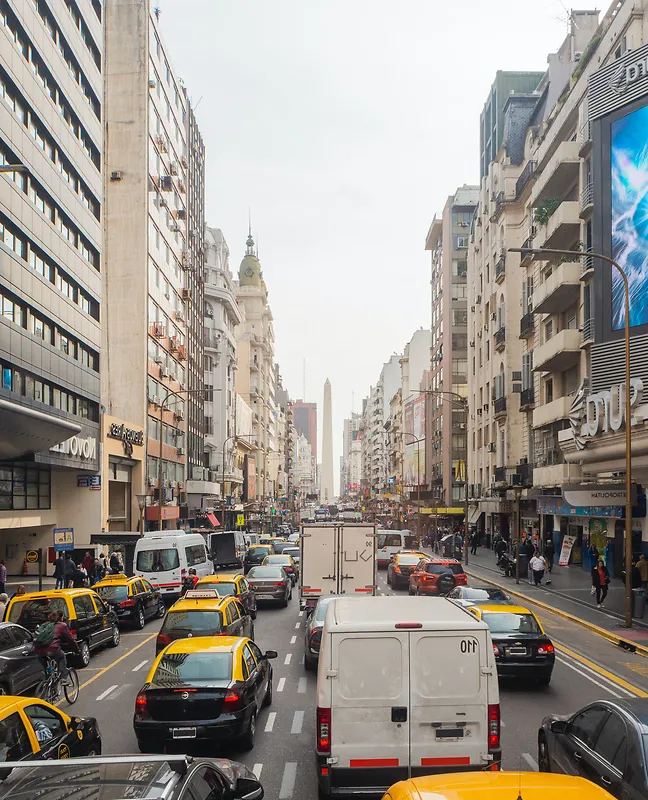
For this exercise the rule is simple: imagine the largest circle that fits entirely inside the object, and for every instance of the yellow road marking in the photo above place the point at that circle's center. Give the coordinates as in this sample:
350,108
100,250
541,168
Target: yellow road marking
641,669
121,658
601,671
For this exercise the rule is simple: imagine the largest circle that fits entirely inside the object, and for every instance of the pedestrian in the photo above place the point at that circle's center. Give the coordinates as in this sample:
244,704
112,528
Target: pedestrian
59,572
642,566
538,566
3,575
529,551
69,568
20,590
593,554
473,543
4,599
500,548
79,578
88,562
600,582
97,572
114,563
549,554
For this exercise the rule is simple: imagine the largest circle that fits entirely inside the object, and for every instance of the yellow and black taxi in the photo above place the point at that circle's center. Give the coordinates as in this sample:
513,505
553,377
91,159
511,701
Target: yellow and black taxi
133,600
401,566
495,786
201,612
281,560
33,729
92,622
234,585
203,689
522,648
255,555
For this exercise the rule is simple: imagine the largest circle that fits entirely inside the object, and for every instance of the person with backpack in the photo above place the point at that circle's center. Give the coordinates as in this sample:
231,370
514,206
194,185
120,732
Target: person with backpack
115,566
190,581
49,637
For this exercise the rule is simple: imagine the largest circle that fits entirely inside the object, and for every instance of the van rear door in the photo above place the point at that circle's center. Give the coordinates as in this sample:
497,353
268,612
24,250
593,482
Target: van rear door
449,700
370,706
318,561
357,560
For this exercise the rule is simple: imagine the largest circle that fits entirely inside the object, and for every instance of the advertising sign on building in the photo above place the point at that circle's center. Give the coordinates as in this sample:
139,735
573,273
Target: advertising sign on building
594,494
566,550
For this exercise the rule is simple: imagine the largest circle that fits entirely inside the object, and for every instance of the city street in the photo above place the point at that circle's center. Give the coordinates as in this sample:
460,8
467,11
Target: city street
588,668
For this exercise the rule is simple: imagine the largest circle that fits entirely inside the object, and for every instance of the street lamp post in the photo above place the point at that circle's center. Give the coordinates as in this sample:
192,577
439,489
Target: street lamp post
628,408
518,495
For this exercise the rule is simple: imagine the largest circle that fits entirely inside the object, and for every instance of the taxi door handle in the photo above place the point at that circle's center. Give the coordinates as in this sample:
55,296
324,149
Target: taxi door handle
606,781
577,755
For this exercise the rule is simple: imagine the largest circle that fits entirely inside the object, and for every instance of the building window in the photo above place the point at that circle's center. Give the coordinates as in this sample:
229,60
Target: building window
24,487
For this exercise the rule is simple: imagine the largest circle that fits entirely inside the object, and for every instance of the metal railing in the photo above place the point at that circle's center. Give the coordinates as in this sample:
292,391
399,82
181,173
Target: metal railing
525,176
527,324
500,474
500,267
527,397
588,330
525,471
500,405
587,261
500,337
587,196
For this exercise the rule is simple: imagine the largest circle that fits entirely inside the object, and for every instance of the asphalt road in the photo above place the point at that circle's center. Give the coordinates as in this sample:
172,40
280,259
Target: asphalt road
283,753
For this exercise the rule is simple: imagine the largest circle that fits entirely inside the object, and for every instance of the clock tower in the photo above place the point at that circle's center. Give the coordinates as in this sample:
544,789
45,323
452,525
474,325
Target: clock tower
250,269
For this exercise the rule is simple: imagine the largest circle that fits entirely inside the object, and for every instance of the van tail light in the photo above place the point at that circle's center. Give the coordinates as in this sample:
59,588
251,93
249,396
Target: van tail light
493,727
127,603
545,649
141,707
232,700
162,640
323,730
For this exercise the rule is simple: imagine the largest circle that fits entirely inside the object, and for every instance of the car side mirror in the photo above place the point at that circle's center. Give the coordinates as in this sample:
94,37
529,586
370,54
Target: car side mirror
271,654
248,789
558,726
74,724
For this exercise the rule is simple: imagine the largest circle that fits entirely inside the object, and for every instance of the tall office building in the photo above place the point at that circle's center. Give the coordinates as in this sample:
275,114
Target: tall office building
327,491
51,85
305,415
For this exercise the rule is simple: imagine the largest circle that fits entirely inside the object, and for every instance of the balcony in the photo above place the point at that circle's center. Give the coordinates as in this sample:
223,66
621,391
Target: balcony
587,201
563,227
549,413
587,332
527,324
584,139
499,407
555,475
500,475
560,173
527,399
525,178
500,339
559,291
500,200
561,352
587,265
500,267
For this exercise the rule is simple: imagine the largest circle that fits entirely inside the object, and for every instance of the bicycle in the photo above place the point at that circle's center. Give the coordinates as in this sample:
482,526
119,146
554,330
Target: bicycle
50,689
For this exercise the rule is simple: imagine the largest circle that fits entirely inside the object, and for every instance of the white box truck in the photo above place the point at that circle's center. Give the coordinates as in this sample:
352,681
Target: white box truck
336,559
405,687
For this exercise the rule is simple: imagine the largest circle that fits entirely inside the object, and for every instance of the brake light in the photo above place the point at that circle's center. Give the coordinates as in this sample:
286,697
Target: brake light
496,650
545,649
408,625
231,700
324,730
163,640
127,603
141,708
73,631
493,727
281,583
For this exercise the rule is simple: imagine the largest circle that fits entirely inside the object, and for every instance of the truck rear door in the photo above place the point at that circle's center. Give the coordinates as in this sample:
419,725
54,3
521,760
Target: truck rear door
448,700
357,559
318,561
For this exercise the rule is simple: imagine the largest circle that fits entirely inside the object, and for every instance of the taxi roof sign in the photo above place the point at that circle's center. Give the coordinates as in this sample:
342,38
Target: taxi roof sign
204,594
115,576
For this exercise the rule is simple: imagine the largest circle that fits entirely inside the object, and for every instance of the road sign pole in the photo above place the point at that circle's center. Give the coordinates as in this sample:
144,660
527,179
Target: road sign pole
40,569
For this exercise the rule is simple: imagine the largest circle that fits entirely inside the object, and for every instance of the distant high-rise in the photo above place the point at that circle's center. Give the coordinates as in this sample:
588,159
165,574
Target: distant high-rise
305,416
327,492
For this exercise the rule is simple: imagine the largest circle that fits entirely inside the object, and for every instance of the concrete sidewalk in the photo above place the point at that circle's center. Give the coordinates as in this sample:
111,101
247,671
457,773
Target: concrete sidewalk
569,592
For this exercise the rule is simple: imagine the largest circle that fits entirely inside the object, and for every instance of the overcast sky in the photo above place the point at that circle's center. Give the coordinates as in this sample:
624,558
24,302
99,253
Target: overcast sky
345,124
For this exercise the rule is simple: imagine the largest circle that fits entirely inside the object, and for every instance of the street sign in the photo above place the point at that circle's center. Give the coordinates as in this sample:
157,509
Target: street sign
32,557
64,538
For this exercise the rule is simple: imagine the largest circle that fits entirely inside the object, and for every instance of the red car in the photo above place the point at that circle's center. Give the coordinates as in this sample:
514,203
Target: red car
437,576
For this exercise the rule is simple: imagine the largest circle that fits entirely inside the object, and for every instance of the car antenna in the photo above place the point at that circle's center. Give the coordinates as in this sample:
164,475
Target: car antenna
519,797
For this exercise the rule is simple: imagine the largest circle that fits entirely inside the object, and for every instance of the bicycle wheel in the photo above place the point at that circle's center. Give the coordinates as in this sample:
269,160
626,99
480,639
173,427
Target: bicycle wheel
42,690
71,686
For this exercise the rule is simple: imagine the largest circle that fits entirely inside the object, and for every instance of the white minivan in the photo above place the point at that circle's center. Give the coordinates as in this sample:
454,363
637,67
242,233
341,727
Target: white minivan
164,558
405,687
390,542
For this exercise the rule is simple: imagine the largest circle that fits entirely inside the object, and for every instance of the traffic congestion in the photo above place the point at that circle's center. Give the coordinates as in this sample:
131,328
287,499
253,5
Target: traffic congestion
355,665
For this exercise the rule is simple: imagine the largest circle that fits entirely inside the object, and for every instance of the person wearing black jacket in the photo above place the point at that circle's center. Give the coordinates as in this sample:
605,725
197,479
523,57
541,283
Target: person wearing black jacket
600,581
69,570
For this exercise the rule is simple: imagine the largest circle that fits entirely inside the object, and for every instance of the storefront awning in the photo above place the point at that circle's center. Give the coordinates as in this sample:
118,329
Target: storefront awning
212,518
474,515
25,430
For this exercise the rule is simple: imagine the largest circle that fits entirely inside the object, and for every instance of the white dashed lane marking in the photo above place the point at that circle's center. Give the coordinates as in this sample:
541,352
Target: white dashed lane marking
293,639
257,769
301,613
297,625
301,687
530,761
298,721
140,665
281,684
288,659
288,780
270,721
105,694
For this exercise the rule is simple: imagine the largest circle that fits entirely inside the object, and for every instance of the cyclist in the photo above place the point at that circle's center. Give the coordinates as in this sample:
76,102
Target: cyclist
48,640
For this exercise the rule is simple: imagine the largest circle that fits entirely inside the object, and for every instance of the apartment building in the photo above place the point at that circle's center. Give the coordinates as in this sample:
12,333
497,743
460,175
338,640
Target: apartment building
447,241
350,430
305,415
51,271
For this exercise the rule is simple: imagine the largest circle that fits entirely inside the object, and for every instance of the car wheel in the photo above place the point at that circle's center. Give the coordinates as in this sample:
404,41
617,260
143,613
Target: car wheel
321,794
284,603
544,764
115,639
267,700
84,654
161,609
247,740
139,621
309,664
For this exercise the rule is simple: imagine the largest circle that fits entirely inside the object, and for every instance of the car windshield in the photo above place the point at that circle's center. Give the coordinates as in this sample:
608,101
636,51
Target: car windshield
112,594
292,552
409,560
492,595
512,623
33,612
279,559
189,667
444,569
158,560
266,572
259,553
192,621
320,610
221,588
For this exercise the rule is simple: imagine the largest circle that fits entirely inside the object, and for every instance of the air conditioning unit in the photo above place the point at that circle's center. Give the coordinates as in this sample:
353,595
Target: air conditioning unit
166,183
173,168
155,400
472,342
186,294
175,228
180,451
524,460
491,447
161,143
116,175
479,412
163,373
158,360
179,414
516,480
209,313
182,213
213,475
478,299
152,84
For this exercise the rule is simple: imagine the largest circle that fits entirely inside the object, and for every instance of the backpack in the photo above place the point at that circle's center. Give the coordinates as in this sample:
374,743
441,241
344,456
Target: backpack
44,634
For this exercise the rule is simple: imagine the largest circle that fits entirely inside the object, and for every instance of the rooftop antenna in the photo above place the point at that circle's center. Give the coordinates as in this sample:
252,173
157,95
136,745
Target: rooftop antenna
304,386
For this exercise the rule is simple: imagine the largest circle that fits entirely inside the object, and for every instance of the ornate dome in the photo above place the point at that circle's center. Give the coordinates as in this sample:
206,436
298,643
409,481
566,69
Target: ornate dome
250,269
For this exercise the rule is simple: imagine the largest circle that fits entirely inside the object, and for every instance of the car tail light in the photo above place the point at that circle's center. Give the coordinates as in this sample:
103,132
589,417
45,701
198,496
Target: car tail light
232,700
281,583
324,730
73,631
493,727
162,640
127,603
408,625
141,708
545,649
315,641
496,650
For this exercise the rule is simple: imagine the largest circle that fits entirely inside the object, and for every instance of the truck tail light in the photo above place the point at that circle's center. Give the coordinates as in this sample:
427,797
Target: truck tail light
324,730
141,707
281,583
493,727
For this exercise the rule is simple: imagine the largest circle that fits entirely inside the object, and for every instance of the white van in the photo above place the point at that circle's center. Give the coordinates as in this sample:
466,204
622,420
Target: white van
165,557
405,687
390,542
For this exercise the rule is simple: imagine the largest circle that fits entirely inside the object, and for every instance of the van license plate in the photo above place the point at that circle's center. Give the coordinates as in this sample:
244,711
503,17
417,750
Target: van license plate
449,733
183,733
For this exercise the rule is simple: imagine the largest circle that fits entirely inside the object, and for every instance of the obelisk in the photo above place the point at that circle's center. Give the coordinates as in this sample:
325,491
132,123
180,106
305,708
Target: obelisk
327,493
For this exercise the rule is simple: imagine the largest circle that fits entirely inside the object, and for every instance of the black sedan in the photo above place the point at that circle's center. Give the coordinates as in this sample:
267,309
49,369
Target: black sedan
270,584
604,742
20,667
313,633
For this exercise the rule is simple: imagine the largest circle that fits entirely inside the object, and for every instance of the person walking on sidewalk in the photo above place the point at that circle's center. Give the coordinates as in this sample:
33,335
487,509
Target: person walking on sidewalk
529,551
642,566
600,582
538,566
549,554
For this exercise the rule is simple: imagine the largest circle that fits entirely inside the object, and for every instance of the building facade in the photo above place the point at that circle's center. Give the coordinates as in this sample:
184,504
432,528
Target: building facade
305,415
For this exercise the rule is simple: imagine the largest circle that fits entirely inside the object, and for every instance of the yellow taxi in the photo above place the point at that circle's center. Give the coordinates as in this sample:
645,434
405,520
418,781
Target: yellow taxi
201,612
235,585
401,566
34,729
202,690
134,600
497,786
522,648
92,622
